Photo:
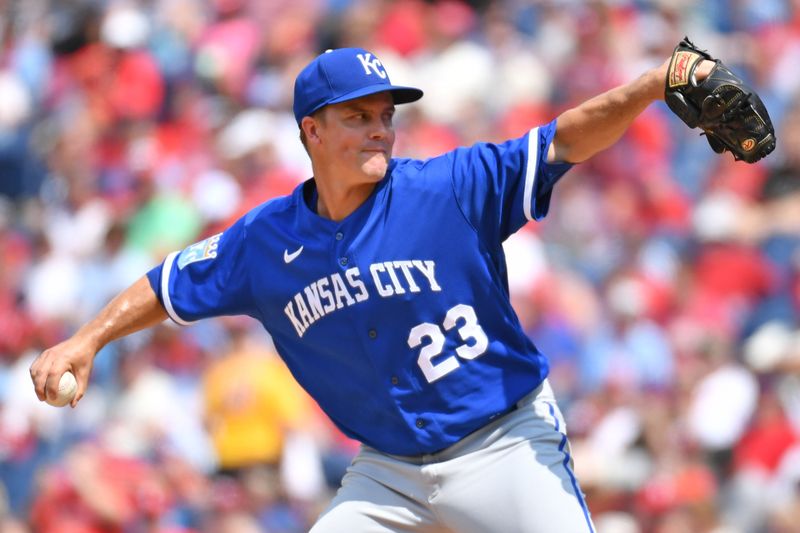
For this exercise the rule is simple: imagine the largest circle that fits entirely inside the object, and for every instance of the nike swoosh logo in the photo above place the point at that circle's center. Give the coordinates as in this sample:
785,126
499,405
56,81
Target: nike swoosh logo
289,257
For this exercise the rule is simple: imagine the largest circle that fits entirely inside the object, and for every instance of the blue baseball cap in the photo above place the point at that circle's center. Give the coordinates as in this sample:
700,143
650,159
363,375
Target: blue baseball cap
341,75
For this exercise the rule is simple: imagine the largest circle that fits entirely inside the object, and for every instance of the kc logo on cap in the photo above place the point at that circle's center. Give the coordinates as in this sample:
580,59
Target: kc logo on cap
374,64
341,75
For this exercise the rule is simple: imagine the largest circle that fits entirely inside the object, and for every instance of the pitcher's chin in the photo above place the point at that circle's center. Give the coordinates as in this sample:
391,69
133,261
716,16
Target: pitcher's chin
375,167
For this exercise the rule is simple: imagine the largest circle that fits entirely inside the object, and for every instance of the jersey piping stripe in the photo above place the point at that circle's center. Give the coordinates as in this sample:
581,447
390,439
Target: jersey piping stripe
165,289
562,449
530,171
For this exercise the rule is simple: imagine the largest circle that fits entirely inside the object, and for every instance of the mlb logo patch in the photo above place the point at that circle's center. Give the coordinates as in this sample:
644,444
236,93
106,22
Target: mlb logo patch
199,251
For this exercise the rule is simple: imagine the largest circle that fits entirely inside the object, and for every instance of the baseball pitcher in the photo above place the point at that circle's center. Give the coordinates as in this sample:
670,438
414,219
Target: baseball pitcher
382,282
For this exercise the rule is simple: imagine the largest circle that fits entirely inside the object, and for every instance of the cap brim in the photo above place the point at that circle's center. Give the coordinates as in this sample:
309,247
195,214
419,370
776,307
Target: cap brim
400,94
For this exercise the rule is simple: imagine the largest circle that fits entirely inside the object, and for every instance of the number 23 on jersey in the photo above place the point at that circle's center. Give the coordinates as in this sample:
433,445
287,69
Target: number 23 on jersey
475,342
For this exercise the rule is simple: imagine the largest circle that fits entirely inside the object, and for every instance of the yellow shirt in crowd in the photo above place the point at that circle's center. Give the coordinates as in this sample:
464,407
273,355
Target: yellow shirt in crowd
251,400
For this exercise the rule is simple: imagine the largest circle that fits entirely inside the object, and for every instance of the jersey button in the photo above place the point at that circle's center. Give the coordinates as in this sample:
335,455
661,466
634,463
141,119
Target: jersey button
339,235
343,261
395,381
372,334
420,423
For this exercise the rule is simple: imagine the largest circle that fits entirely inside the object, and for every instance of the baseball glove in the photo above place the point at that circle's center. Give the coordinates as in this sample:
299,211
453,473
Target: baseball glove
729,112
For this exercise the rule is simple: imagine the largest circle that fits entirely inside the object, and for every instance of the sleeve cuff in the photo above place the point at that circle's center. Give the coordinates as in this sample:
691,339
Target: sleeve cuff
163,290
540,176
530,173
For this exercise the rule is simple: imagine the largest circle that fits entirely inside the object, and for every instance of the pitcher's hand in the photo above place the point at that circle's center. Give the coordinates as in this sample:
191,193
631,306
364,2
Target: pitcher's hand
74,354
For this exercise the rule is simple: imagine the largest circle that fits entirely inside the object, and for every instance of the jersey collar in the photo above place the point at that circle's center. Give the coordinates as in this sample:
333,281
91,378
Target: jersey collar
308,220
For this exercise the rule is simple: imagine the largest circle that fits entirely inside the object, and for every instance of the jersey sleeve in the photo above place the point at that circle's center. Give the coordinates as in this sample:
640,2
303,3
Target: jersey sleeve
502,186
208,278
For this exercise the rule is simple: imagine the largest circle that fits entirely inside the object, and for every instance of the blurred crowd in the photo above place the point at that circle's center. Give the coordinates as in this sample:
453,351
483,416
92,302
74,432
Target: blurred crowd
664,285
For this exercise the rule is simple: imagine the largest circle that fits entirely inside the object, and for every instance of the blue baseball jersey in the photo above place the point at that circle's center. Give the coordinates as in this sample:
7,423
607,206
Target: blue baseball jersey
397,319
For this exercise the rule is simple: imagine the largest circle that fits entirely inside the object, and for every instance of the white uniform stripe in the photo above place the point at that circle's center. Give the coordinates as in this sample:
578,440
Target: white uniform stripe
165,271
530,172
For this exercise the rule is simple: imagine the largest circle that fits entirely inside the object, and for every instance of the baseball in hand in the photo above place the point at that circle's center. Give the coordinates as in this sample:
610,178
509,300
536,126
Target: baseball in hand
67,388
